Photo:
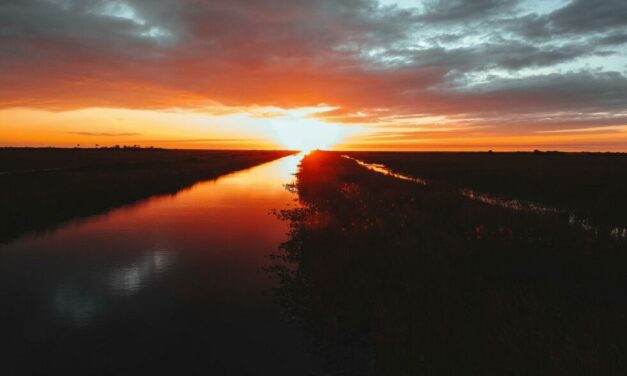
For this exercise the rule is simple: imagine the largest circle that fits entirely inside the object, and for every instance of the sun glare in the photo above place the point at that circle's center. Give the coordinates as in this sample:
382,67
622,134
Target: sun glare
306,134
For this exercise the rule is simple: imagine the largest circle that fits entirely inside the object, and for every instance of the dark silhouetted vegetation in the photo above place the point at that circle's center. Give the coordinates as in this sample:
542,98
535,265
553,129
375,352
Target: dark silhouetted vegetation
41,188
593,185
394,278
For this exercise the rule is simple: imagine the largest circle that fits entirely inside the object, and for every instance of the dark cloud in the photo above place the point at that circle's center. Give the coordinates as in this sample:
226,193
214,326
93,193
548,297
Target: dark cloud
576,18
507,54
617,38
462,10
590,16
483,59
582,91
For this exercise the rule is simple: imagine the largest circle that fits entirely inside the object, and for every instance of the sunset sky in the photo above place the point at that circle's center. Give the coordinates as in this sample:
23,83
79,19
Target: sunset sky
343,74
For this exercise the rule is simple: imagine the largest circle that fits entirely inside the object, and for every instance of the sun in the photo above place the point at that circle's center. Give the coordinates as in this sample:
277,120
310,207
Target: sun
306,134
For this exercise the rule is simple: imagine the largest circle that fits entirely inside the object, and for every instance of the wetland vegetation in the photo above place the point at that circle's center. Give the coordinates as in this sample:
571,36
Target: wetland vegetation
592,185
390,277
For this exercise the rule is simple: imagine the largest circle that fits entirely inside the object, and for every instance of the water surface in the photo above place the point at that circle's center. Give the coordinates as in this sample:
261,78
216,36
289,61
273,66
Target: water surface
170,285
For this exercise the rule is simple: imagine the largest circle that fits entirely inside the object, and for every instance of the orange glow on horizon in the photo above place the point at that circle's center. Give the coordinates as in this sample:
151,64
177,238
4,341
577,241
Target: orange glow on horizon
274,128
307,135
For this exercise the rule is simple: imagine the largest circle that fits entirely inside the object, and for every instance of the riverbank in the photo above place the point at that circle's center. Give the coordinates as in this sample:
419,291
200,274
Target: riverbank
42,188
170,286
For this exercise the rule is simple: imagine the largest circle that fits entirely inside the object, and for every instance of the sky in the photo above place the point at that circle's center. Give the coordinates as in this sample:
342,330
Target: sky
339,74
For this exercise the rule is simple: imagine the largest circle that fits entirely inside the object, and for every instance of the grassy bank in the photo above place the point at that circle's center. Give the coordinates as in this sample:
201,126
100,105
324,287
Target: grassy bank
594,185
393,278
41,188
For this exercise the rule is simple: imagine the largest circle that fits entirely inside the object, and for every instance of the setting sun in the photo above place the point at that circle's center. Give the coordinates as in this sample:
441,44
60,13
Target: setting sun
306,134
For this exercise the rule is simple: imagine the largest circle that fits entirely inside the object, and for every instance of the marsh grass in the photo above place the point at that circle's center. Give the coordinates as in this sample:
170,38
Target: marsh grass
592,185
393,278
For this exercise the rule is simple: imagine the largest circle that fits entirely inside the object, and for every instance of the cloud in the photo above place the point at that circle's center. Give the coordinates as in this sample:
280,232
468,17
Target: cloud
479,61
578,17
104,134
581,16
461,10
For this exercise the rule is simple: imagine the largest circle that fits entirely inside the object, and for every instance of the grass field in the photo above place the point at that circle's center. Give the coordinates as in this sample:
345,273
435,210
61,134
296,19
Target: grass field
41,188
593,185
395,278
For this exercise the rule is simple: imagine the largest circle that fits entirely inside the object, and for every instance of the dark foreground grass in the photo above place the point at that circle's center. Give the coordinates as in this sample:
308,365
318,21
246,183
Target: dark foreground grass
593,185
392,278
41,188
